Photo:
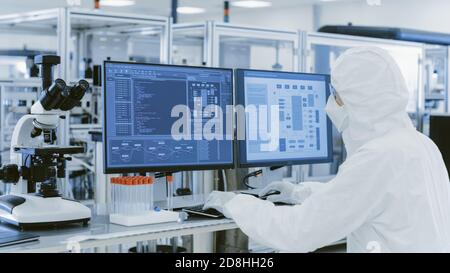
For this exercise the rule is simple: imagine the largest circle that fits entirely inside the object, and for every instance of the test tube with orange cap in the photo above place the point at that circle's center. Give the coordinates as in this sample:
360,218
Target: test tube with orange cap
149,193
132,195
169,180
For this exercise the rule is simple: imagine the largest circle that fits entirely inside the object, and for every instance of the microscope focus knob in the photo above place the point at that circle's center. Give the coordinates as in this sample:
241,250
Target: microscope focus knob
10,173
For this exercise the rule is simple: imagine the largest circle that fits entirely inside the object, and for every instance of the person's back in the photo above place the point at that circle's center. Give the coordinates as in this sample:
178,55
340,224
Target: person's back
392,192
405,217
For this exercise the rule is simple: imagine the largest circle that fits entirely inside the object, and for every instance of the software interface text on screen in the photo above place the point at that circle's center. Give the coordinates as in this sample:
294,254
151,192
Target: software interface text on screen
139,99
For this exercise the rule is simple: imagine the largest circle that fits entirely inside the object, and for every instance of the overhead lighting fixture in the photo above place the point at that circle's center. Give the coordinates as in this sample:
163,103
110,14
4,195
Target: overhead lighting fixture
374,2
190,10
117,3
251,4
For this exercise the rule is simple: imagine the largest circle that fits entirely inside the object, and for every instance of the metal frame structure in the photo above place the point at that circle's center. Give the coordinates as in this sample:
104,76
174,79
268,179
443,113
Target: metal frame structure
212,32
154,21
63,18
59,23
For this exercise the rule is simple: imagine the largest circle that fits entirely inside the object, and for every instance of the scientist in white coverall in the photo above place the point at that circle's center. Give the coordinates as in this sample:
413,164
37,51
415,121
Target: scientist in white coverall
390,195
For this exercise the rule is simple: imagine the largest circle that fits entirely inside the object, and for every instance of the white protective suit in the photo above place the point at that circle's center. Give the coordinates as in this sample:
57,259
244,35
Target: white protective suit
392,192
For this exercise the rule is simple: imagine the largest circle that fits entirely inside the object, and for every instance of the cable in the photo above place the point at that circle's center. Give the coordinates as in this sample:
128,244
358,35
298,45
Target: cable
26,159
274,168
248,176
224,180
159,175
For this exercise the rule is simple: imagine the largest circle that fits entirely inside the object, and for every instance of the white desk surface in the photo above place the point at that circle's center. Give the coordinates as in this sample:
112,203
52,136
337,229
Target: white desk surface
101,233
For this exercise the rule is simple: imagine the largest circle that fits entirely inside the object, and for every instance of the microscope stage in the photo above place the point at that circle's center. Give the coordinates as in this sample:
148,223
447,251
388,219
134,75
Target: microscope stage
48,151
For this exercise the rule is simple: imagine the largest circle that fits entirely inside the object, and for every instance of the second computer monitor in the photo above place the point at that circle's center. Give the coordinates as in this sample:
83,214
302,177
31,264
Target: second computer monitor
301,131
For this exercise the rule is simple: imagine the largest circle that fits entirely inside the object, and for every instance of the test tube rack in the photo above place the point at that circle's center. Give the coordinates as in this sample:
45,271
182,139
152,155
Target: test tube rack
132,203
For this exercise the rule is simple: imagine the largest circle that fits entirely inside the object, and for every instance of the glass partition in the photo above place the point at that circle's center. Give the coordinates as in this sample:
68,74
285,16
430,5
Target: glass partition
234,46
99,36
17,97
436,82
24,36
246,52
188,45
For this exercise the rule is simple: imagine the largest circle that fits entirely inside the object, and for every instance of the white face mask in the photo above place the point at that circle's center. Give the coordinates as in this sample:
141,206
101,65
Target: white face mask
337,114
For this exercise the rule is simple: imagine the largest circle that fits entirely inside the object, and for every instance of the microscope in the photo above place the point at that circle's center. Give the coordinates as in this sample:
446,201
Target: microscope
37,162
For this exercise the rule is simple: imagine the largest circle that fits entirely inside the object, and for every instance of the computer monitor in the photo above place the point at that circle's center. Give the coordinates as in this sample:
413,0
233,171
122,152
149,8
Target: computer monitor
439,133
295,104
138,118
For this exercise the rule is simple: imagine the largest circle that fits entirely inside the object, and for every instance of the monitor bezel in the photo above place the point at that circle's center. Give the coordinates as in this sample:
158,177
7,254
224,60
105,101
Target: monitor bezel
169,169
240,145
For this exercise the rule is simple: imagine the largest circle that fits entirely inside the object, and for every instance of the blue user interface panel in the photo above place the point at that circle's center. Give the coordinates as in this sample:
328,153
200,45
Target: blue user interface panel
304,130
139,99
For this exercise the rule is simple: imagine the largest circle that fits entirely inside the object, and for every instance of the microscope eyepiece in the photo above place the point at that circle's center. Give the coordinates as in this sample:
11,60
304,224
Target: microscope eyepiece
60,96
51,98
74,95
79,89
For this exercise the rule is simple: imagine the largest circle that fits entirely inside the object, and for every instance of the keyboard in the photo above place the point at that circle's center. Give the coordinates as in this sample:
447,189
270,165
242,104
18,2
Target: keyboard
8,237
199,211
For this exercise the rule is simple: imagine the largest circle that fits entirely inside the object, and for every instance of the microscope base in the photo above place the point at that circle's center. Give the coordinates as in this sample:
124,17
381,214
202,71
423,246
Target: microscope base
28,211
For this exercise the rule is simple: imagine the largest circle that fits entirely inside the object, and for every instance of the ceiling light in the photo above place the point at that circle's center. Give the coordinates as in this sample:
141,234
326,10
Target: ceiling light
117,3
251,4
374,2
190,10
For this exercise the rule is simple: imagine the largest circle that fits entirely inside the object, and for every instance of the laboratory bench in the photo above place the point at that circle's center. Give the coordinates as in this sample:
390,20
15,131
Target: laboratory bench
100,234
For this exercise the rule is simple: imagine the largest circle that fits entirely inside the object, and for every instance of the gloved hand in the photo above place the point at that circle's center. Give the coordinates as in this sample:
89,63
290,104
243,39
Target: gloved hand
289,193
217,200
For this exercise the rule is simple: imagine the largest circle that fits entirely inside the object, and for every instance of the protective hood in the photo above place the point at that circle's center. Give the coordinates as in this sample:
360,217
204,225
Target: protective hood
374,92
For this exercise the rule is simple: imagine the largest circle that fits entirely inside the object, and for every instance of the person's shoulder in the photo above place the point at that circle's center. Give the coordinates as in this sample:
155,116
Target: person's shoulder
395,145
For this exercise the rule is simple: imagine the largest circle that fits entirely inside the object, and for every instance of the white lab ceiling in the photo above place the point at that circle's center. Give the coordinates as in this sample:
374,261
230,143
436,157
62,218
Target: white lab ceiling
151,7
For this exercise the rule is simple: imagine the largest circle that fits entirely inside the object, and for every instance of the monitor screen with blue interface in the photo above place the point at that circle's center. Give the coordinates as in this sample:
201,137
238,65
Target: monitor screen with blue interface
139,99
296,117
